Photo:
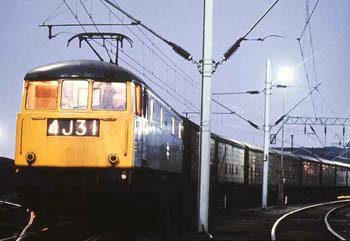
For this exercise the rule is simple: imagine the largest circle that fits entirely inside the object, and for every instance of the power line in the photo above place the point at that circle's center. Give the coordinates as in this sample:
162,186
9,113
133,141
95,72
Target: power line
307,76
93,22
312,45
158,85
184,76
308,20
184,102
60,13
171,94
178,49
296,105
76,17
234,47
327,104
50,15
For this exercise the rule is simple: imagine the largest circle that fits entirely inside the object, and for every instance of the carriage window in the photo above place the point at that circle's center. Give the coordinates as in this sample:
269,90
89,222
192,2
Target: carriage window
74,94
180,131
173,125
156,113
151,110
109,96
161,117
42,95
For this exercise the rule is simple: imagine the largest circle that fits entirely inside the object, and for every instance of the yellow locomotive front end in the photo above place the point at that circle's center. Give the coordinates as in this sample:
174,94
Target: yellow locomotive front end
83,120
75,123
75,133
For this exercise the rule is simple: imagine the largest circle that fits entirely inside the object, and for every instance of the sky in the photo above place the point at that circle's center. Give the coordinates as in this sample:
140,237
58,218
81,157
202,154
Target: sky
24,46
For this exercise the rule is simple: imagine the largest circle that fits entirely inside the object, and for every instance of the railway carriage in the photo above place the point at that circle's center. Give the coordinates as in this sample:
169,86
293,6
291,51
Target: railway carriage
255,164
327,174
341,174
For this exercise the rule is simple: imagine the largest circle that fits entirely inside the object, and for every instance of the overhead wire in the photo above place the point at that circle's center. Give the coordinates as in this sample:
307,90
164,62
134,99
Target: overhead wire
177,49
308,20
309,16
162,52
312,47
150,49
327,104
183,101
307,76
184,75
76,17
196,86
296,105
168,65
93,22
234,47
51,16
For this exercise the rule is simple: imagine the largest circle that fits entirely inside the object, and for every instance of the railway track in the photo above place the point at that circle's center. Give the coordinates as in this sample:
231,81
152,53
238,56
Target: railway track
308,223
337,221
12,220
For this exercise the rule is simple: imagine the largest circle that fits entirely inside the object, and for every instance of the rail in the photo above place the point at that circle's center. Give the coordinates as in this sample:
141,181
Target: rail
274,227
330,229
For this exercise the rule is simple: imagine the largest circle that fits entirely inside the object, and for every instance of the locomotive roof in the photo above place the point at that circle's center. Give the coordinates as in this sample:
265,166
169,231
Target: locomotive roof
90,69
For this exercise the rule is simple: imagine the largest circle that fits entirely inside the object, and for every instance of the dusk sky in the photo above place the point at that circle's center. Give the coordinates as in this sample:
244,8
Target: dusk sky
25,46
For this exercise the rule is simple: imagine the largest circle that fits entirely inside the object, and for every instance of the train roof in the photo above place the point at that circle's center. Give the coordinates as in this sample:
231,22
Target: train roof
81,68
253,147
342,164
279,152
229,140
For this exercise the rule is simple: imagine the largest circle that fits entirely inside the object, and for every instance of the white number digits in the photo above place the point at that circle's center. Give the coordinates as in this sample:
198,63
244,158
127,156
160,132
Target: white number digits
53,128
94,128
70,129
81,130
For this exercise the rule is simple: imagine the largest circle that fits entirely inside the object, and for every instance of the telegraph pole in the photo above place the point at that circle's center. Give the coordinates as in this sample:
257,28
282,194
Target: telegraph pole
207,70
268,86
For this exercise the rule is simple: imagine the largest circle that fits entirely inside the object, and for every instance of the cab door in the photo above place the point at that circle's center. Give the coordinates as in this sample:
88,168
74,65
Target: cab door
139,124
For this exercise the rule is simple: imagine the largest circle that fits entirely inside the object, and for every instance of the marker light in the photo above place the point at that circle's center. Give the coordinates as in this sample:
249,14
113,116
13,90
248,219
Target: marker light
123,176
113,159
30,157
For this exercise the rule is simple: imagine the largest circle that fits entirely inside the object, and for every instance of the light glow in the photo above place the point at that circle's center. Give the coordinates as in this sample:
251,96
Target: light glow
285,74
123,176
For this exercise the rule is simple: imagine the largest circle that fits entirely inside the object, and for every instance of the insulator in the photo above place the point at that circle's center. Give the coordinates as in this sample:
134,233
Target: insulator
233,49
279,120
181,51
253,125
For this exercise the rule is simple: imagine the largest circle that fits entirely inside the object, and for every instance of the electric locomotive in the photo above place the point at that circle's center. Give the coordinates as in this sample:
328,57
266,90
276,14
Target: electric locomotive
87,124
